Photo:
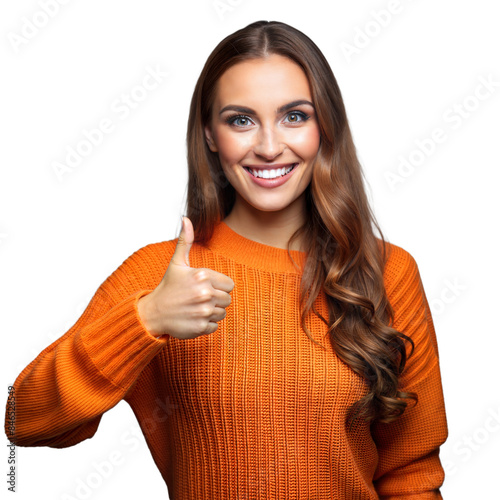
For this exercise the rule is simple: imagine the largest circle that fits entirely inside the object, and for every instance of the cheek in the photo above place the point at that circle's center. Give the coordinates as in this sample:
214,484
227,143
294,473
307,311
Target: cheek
306,142
232,146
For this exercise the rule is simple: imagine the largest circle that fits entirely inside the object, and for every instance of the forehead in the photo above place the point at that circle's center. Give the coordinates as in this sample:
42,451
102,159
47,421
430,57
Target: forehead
272,79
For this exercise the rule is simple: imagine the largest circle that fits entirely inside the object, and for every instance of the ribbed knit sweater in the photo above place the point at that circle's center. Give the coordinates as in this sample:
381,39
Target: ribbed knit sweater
255,410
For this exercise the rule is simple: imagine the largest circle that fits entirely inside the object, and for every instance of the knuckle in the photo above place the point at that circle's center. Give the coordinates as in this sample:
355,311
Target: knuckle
201,326
206,311
201,275
204,294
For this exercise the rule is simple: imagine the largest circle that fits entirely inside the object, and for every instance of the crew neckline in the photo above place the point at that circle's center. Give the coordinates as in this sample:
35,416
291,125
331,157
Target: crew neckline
227,242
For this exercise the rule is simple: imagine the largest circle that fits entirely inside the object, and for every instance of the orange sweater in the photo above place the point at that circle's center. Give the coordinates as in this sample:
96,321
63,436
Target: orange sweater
254,410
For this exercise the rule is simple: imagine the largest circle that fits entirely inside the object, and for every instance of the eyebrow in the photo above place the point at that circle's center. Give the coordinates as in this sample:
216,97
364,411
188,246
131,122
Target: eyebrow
250,111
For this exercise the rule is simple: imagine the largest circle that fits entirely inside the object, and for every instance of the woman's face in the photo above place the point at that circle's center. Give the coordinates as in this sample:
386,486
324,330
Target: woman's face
263,119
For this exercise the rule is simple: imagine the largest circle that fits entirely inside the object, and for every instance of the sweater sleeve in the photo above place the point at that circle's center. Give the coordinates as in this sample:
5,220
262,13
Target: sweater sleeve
59,398
409,466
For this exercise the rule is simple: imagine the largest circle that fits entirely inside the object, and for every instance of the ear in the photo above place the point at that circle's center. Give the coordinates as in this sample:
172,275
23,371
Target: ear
210,139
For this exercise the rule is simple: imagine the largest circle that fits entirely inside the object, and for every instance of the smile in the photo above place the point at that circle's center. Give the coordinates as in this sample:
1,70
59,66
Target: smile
271,178
271,174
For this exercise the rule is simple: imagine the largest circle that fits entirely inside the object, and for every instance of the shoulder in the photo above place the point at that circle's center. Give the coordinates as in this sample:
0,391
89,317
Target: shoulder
141,270
152,254
406,294
155,257
400,269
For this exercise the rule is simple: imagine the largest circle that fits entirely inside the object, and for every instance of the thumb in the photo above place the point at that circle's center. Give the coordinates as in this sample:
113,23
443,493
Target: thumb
186,238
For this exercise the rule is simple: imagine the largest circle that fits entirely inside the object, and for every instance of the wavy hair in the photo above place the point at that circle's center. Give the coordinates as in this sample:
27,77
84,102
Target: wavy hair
344,257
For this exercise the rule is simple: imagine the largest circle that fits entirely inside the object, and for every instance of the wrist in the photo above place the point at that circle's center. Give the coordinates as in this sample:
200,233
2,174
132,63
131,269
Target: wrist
145,309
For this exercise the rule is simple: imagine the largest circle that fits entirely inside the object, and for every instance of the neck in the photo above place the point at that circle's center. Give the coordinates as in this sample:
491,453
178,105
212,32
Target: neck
273,228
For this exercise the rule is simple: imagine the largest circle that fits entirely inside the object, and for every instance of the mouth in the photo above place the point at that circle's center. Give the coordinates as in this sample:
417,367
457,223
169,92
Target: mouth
272,173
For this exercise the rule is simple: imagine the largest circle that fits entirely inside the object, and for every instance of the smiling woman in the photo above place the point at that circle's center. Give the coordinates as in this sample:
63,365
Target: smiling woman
267,140
295,348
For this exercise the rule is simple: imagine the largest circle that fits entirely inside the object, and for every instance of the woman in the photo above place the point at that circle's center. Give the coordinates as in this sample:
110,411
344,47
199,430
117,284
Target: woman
277,348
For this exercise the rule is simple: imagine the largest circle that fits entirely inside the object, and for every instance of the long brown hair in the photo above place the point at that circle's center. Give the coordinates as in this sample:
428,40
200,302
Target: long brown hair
344,257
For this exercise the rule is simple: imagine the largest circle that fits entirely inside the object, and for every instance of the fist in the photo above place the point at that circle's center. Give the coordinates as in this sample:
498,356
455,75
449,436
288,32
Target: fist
188,301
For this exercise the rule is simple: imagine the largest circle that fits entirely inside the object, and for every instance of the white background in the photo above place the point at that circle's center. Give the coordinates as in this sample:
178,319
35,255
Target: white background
61,237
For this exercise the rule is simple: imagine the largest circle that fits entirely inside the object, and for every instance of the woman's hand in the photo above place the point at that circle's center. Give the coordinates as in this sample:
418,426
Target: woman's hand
188,302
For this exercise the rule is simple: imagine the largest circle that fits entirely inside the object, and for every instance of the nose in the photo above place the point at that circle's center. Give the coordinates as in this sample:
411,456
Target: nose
268,143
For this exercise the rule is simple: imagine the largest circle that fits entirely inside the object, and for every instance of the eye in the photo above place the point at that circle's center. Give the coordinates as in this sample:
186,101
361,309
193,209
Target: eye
297,117
244,121
238,120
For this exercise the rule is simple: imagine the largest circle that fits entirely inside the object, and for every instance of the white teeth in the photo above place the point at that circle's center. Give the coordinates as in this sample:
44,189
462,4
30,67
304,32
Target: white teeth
271,174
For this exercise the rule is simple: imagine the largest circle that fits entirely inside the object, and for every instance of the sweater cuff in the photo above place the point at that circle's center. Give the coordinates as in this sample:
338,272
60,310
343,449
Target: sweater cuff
119,344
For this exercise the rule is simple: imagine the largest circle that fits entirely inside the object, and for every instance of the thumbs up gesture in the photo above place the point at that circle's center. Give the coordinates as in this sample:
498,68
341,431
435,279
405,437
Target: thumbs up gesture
188,302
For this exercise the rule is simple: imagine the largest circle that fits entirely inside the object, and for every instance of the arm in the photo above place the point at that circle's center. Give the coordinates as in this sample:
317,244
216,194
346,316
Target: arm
409,465
61,395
